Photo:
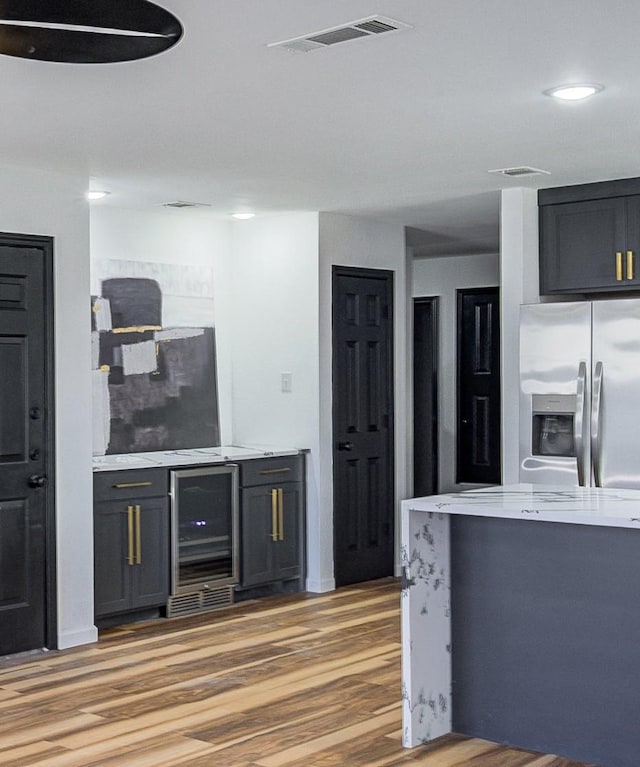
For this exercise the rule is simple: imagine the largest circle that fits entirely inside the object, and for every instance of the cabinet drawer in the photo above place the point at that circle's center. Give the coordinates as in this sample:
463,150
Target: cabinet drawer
269,471
138,483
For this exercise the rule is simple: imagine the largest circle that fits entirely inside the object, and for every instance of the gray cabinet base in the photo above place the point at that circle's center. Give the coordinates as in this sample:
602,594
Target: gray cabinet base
545,627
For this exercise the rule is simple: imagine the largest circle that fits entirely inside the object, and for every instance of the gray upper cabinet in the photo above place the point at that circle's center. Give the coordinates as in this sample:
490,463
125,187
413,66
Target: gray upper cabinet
590,238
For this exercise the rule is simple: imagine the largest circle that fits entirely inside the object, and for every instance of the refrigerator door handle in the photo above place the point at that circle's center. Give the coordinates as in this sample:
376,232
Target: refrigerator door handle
596,425
580,422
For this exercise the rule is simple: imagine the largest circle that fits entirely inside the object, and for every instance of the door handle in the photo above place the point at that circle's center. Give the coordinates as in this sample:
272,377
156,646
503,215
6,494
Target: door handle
618,265
280,514
138,537
130,559
596,424
37,480
35,413
345,445
274,514
629,264
579,422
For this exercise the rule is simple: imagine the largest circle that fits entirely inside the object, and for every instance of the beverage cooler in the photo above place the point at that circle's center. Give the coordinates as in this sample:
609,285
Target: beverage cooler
204,532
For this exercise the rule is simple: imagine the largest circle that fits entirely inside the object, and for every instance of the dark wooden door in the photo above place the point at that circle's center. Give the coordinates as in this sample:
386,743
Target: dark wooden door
478,427
25,415
425,396
363,461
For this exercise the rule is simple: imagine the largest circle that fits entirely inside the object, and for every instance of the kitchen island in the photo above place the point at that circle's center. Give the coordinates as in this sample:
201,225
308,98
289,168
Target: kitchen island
521,619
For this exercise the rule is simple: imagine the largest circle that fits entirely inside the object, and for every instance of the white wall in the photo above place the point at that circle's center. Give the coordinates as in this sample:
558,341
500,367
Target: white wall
355,241
274,330
37,202
168,236
441,277
519,274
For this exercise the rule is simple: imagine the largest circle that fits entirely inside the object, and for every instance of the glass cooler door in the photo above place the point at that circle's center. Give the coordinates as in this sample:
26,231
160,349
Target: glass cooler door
205,527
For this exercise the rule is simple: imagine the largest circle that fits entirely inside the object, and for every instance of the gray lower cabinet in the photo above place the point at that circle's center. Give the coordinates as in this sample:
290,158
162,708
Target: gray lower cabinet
131,533
272,520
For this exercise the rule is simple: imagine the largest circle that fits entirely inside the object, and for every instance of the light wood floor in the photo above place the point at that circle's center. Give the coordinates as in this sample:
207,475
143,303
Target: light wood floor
299,680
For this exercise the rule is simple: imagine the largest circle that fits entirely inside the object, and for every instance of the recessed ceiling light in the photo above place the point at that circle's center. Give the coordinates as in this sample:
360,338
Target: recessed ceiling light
574,92
96,194
242,216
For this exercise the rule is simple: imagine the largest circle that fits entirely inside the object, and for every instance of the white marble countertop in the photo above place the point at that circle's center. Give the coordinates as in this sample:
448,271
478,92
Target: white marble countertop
605,507
193,456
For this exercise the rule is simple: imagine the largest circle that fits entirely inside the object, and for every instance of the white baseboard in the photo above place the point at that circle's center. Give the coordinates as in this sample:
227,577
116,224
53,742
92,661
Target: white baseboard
319,587
75,638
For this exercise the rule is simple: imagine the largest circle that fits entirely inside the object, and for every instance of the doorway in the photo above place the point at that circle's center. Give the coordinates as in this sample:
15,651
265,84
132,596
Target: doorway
363,450
27,539
425,396
479,409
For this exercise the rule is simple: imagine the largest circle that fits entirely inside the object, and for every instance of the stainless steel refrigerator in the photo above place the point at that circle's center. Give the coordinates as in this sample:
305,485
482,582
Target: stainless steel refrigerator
580,393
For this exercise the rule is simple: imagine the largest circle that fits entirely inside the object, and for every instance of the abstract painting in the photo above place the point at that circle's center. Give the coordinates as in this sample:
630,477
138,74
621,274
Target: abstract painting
154,382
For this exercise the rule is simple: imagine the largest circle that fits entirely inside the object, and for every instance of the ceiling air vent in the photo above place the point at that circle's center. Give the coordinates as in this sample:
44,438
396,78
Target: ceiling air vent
523,170
184,204
369,27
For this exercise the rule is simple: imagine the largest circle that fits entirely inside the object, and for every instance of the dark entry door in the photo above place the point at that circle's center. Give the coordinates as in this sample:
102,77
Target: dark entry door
425,396
363,424
24,437
478,432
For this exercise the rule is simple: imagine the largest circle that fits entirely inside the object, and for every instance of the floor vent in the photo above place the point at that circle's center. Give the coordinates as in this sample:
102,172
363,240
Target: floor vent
523,170
199,601
369,27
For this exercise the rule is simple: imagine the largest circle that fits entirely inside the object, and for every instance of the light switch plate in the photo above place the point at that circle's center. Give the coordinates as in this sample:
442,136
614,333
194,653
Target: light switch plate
285,383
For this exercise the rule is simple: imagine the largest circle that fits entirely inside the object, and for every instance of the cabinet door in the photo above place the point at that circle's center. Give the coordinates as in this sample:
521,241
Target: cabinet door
150,573
578,246
258,529
288,554
112,579
632,255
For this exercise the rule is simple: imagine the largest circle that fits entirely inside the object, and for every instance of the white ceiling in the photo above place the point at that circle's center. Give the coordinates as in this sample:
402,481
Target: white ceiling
402,127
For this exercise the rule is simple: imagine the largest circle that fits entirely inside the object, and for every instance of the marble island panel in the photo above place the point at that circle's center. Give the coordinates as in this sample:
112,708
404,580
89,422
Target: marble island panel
426,546
189,457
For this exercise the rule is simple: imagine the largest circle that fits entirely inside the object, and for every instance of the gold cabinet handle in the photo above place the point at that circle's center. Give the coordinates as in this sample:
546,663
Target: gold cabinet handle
138,538
619,265
274,514
280,514
125,485
282,470
130,535
629,264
